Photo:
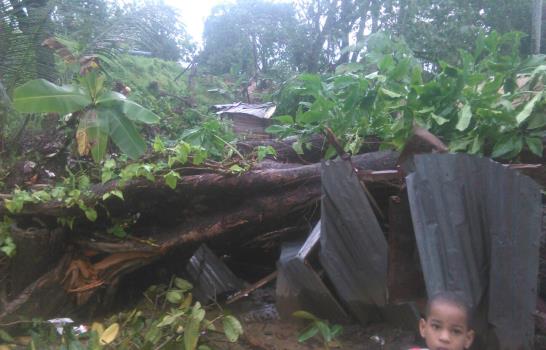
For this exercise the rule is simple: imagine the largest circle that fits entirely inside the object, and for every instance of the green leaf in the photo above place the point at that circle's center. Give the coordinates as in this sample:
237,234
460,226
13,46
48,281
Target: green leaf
84,182
171,179
182,151
324,330
264,151
236,169
330,152
8,247
390,93
41,196
275,129
117,231
90,213
197,312
182,284
158,145
199,156
535,145
117,193
109,334
285,119
305,315
232,328
308,334
476,145
538,120
528,109
41,96
98,136
108,97
174,296
504,147
132,110
4,336
125,136
136,112
439,120
152,335
99,143
298,147
191,334
459,144
167,321
336,330
465,114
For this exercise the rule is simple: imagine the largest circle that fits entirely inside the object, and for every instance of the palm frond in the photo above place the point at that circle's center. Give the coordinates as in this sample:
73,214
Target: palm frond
24,24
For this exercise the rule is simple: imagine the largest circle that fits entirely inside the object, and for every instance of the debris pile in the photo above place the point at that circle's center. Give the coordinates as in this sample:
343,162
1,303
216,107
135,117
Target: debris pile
356,238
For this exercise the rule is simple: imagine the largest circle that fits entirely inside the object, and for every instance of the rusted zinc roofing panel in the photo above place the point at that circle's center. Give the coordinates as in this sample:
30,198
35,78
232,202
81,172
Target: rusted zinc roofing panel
300,287
262,111
477,226
353,247
514,212
449,222
211,275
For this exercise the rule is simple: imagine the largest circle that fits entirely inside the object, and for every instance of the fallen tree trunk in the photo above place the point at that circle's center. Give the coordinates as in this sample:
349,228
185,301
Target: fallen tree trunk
212,185
228,210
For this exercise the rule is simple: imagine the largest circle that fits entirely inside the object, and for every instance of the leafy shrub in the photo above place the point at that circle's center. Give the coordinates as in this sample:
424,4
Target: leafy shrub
492,103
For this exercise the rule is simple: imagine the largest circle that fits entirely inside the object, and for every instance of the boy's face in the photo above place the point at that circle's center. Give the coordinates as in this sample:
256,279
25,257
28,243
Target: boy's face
446,327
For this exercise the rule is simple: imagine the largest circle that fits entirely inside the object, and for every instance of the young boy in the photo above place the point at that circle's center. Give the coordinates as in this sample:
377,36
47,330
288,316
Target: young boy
447,321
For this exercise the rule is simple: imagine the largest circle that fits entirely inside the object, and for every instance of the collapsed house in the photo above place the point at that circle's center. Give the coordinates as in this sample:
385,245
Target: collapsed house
248,120
477,228
385,238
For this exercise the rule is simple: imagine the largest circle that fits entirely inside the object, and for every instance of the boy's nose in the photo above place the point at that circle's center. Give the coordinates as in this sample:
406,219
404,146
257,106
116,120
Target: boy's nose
444,336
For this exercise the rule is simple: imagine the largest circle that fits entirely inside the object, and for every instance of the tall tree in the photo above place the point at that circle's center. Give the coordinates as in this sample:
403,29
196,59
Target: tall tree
536,32
329,27
248,37
434,29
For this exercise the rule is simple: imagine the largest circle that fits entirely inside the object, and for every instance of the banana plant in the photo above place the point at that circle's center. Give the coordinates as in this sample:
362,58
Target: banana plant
102,114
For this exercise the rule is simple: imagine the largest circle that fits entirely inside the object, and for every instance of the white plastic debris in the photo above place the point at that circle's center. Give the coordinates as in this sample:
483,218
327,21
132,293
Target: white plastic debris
379,340
59,324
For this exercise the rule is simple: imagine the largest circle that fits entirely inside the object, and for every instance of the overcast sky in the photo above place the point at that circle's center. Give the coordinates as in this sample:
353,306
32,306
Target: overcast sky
194,13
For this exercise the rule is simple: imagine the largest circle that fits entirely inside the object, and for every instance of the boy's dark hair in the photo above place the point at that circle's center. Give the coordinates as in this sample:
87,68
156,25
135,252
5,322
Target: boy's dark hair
452,298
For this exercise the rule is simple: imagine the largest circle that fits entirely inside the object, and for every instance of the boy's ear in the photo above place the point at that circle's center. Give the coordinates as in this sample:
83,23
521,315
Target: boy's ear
422,326
469,339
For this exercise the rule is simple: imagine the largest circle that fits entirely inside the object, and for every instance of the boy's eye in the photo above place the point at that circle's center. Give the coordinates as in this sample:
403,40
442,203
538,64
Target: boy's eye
435,326
457,331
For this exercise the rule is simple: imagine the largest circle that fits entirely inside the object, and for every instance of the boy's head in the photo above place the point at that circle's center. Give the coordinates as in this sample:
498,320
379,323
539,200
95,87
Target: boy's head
447,323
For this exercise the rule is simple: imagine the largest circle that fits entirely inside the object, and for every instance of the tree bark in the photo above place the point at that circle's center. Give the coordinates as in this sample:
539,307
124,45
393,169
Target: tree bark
536,31
238,210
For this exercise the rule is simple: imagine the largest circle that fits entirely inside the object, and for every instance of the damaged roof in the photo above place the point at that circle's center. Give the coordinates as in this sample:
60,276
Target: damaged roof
300,287
353,246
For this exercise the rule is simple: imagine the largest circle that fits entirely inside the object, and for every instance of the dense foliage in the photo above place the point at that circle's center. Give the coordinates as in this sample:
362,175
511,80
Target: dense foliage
168,318
252,37
491,102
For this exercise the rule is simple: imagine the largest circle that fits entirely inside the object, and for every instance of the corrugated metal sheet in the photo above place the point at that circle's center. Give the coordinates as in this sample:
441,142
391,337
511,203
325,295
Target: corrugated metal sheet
514,213
353,247
210,275
300,287
262,111
477,226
